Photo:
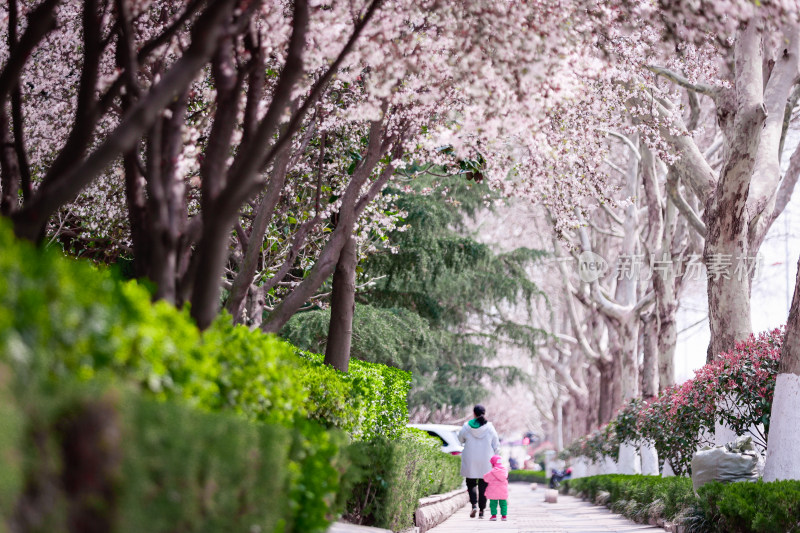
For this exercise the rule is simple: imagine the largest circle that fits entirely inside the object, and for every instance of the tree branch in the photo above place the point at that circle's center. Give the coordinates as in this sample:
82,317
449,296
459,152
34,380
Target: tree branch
674,77
29,221
791,103
625,140
683,206
40,22
787,185
258,154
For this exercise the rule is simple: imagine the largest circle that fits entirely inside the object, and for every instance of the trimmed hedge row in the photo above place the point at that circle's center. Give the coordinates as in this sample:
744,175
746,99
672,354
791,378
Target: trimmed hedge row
717,508
99,459
377,401
749,507
396,474
638,497
66,324
532,476
64,319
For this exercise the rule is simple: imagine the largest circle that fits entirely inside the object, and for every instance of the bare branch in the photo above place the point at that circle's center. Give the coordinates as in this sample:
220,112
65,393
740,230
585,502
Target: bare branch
625,140
604,231
615,217
786,188
791,103
674,77
644,302
683,206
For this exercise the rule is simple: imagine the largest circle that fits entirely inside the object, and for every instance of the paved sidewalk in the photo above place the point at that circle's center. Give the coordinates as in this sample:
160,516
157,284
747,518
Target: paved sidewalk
527,513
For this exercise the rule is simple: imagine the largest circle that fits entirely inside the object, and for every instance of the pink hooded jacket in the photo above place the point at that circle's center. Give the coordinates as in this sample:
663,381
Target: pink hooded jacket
497,478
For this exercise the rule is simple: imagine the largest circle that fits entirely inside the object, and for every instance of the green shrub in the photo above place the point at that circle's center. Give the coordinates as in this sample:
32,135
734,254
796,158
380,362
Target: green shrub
64,319
644,496
396,474
11,431
751,507
377,402
718,508
99,459
531,476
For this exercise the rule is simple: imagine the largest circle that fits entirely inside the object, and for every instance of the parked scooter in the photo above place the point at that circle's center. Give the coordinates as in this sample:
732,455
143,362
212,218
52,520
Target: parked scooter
557,476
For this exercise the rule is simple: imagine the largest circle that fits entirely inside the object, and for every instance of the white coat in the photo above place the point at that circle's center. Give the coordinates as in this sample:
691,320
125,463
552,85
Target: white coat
480,444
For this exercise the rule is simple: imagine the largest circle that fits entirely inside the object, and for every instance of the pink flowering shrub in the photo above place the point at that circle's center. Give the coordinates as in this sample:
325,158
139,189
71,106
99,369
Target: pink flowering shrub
740,384
736,389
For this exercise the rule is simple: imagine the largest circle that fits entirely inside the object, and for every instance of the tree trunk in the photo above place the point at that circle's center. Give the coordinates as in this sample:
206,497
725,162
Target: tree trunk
629,360
211,256
650,380
627,327
783,461
266,209
727,217
9,169
558,415
728,305
166,206
340,331
667,306
665,285
609,387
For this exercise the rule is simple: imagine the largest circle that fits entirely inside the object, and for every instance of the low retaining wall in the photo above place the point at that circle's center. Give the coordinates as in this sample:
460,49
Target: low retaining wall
435,509
343,527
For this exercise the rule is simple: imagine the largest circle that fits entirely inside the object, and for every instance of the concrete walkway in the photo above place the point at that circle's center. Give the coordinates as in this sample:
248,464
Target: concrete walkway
527,513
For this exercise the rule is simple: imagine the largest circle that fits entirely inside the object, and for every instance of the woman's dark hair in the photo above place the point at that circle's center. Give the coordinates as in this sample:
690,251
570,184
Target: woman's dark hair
479,411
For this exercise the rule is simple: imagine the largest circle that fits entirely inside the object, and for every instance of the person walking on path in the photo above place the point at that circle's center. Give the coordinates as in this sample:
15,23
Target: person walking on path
480,443
497,489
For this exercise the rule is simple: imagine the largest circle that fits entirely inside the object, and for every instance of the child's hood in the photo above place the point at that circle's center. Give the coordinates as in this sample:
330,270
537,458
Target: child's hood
500,472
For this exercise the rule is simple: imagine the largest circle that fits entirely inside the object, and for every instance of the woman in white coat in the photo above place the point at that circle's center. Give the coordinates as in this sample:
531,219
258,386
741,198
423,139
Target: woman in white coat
480,444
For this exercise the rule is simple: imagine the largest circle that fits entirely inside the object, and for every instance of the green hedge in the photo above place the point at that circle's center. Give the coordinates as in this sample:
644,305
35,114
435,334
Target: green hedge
377,399
64,322
639,497
748,507
101,459
62,319
717,508
396,474
531,476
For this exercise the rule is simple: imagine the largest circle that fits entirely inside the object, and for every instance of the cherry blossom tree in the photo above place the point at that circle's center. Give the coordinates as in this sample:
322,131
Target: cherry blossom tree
210,115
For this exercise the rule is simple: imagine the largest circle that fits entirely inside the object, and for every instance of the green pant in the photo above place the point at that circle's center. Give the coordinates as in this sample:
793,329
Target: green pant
503,507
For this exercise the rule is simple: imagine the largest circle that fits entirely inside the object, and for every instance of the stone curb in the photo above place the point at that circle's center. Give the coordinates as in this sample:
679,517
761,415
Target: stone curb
435,509
344,527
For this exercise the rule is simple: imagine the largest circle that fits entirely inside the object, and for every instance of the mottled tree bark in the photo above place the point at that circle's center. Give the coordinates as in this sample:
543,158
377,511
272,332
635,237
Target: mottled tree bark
726,215
790,352
666,286
627,326
750,192
609,390
650,362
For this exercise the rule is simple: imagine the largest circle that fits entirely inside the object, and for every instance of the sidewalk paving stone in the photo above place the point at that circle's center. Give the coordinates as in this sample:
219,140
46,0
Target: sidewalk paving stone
528,513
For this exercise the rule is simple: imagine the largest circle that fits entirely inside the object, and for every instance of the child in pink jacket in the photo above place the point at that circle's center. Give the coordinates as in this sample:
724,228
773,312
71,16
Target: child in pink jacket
497,491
